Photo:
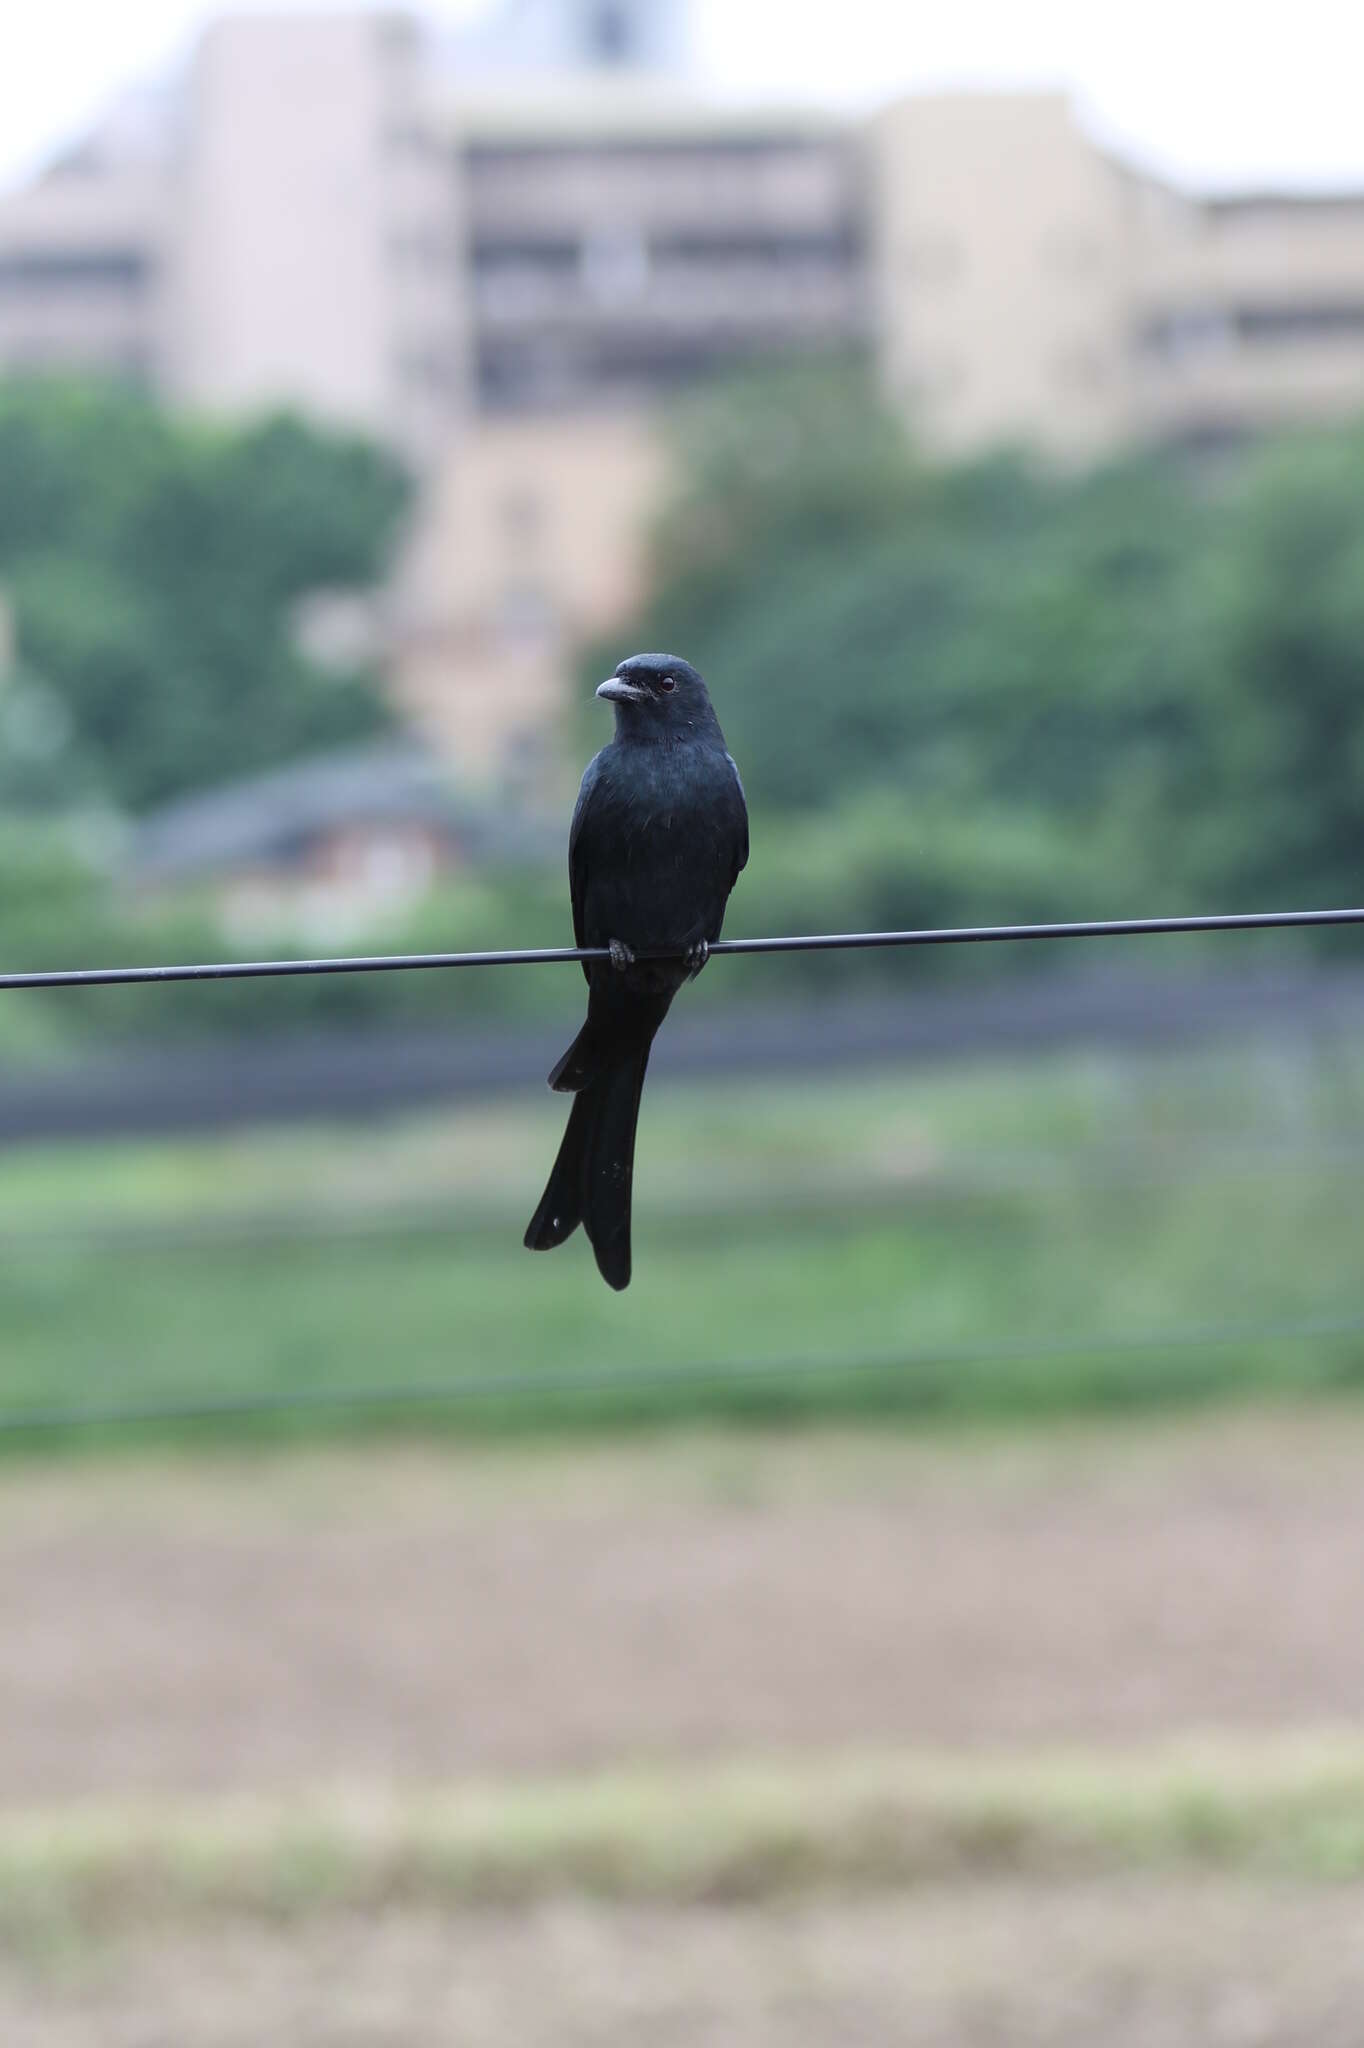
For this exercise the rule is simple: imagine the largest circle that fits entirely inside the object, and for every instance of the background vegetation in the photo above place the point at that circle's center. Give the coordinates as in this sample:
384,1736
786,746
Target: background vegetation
153,567
964,694
1031,689
1081,1233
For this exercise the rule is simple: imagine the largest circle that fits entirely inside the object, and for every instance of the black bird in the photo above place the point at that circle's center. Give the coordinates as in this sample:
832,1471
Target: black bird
659,837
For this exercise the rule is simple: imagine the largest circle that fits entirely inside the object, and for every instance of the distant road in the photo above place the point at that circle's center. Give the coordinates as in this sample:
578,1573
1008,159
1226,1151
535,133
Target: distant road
249,1080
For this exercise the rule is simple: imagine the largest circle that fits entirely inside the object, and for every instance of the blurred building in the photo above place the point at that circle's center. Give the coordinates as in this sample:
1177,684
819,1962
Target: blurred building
83,272
1249,312
535,216
325,847
533,540
617,250
618,247
317,251
1030,287
500,248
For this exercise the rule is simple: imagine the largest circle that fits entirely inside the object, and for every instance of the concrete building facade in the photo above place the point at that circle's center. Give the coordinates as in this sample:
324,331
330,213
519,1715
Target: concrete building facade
616,252
317,245
84,274
1000,268
1029,287
533,540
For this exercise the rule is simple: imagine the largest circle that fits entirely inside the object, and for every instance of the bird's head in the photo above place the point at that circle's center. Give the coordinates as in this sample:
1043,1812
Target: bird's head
658,694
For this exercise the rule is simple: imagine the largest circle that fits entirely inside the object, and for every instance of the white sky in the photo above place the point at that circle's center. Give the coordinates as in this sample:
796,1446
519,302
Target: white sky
1191,87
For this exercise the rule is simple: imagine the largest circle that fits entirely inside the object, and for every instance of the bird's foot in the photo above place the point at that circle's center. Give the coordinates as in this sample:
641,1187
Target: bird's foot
696,957
621,956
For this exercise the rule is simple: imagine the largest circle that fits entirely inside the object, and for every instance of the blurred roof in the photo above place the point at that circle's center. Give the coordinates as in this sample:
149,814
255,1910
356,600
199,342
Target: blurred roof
272,817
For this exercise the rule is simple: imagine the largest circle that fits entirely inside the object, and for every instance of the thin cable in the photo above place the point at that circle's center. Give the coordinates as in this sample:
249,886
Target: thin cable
811,942
525,1389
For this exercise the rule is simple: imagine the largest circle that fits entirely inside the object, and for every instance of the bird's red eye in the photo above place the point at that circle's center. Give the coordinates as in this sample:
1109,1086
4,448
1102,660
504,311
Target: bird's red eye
668,685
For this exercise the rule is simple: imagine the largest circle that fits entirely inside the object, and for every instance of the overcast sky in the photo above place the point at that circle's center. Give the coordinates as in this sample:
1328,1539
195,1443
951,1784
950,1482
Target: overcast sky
1189,86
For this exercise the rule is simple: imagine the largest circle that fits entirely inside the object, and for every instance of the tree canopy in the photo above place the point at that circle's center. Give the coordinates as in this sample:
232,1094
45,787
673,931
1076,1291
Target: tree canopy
1141,684
153,567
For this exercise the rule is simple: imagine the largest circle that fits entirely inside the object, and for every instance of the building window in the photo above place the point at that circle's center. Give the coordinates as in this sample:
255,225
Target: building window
58,269
615,267
1189,333
1323,320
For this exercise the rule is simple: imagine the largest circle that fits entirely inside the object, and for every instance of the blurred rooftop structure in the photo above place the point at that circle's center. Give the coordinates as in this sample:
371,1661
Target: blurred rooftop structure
325,846
571,39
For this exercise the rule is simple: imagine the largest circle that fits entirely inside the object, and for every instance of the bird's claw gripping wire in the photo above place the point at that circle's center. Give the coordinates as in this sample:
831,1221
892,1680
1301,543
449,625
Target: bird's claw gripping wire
696,957
621,956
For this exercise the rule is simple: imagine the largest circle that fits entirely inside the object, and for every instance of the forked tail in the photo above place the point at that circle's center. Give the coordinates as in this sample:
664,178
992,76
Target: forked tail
591,1179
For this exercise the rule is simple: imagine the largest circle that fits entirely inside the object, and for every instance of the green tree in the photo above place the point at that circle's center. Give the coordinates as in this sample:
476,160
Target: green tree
1282,587
1128,686
155,566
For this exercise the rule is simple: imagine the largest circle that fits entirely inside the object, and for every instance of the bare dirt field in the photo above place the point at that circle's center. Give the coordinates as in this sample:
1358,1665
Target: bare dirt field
404,1615
234,1627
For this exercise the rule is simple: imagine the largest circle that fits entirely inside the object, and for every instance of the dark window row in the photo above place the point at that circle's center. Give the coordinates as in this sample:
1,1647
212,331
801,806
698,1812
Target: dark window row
1289,206
679,154
29,269
541,374
559,255
41,356
1320,322
563,256
1194,330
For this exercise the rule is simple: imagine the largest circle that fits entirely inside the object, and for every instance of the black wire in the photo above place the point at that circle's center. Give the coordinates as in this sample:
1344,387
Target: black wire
812,942
526,1388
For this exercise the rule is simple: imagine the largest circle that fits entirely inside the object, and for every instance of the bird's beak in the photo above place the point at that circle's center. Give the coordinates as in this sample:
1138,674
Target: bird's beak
618,692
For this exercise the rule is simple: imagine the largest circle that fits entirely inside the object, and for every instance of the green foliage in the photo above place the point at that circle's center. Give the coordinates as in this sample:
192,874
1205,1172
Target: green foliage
744,443
154,567
957,1243
1283,595
975,689
968,694
44,882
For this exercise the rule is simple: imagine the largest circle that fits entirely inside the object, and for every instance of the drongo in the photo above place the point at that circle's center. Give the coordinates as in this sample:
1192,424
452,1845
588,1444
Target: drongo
659,836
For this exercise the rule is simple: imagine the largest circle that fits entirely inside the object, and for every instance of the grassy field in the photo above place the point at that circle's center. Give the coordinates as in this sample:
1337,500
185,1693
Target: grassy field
928,1241
756,1831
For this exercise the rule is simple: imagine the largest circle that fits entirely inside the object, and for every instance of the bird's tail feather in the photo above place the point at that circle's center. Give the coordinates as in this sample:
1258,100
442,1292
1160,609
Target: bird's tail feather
582,1062
592,1175
616,1018
561,1205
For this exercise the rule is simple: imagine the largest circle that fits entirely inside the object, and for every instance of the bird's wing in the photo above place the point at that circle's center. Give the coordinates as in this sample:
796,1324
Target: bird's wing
741,837
577,850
